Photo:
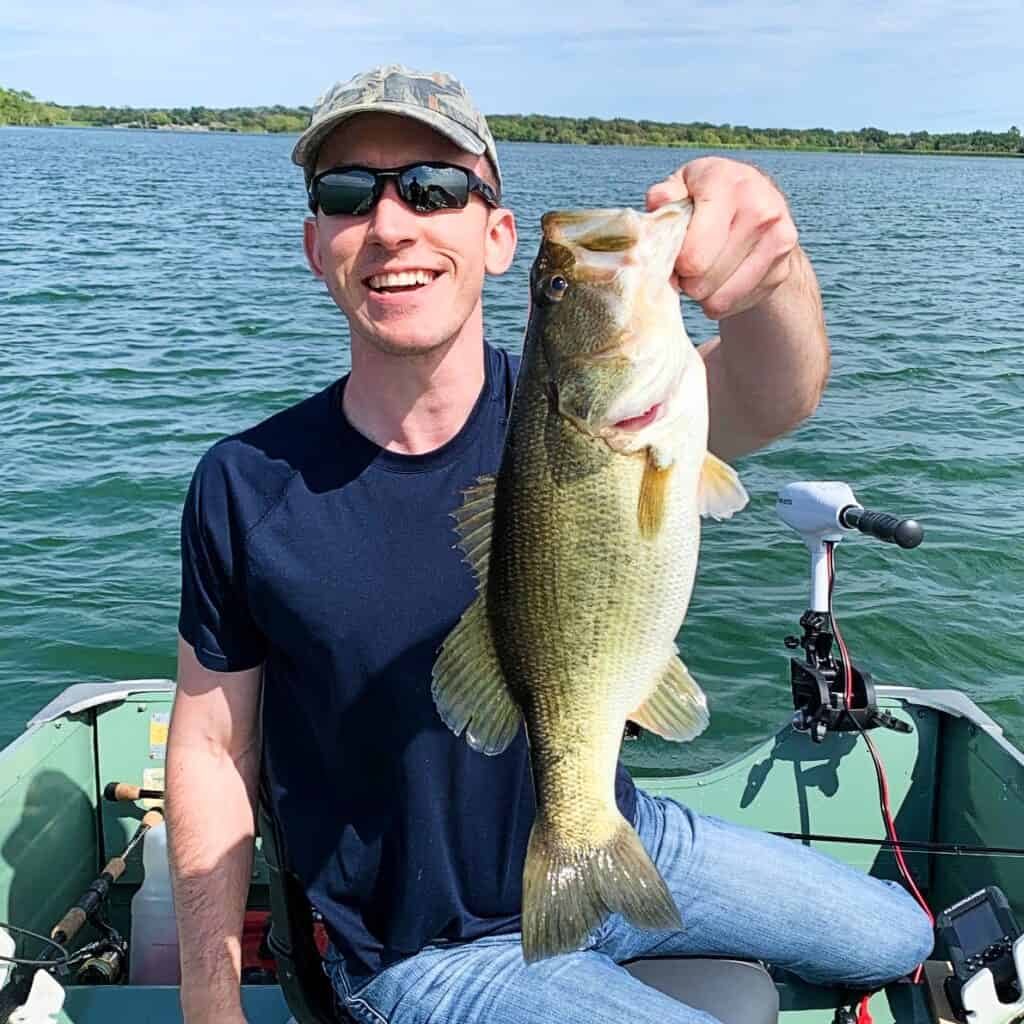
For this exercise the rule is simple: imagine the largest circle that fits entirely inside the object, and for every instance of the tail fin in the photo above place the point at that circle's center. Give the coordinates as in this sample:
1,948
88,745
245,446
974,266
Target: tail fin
569,891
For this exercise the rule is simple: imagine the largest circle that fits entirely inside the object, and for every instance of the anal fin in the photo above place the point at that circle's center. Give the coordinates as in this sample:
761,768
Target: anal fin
469,686
677,708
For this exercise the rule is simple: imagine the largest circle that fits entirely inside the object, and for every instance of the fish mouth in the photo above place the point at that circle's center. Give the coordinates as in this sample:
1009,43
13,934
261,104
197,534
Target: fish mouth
605,242
632,423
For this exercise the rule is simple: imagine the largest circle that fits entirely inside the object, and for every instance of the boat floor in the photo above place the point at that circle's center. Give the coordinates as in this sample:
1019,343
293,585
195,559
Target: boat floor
952,778
264,1004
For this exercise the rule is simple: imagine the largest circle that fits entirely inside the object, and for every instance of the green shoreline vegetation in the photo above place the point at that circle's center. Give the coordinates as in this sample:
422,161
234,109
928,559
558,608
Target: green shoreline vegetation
22,108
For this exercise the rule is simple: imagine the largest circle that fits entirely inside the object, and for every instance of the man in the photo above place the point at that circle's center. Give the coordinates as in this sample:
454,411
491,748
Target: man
319,573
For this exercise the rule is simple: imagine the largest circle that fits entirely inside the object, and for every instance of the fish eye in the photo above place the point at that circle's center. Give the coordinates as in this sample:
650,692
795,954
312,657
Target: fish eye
556,287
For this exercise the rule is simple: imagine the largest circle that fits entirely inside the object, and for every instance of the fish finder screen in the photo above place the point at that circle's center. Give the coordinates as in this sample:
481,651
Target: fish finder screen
978,928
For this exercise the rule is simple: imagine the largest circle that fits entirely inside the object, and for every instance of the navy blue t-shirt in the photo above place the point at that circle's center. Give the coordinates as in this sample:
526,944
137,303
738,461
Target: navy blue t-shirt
307,547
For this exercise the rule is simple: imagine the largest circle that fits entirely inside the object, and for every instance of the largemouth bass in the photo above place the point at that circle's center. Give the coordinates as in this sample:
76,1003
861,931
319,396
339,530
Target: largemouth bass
585,549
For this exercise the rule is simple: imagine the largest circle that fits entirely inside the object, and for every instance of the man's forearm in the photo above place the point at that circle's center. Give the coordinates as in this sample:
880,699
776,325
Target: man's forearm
210,821
768,368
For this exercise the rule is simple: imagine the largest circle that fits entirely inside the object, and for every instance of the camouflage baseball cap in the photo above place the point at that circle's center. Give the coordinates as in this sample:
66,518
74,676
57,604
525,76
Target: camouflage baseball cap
435,98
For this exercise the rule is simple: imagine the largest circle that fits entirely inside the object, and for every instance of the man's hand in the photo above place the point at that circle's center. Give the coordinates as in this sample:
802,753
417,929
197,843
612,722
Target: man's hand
740,242
740,260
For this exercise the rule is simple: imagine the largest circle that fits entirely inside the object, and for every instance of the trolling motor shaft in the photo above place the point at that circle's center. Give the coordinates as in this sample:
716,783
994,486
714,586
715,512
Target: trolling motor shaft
823,512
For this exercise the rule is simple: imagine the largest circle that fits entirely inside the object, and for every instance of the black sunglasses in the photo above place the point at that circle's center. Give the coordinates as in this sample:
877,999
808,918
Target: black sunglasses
424,187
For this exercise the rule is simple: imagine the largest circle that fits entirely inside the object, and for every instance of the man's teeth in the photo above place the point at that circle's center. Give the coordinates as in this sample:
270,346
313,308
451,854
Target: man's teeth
402,279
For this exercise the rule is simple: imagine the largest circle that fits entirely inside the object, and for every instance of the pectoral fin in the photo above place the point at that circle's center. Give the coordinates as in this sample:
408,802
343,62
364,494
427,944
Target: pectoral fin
677,709
650,512
469,687
719,493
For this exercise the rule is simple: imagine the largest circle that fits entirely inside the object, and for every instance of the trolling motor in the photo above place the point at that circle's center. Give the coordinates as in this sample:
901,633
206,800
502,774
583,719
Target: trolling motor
830,693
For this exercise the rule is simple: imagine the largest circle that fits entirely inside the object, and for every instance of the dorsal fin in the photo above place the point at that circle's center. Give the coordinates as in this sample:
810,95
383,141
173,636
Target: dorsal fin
474,522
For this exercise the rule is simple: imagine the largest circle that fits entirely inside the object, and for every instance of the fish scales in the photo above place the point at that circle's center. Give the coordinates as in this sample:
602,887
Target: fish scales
586,574
562,574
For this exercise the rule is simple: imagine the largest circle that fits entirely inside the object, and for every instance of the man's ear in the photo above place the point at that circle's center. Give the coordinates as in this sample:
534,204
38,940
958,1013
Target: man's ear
501,241
311,243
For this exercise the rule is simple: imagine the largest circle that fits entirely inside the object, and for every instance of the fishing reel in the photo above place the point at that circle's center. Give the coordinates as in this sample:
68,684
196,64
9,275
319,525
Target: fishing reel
97,963
830,693
39,978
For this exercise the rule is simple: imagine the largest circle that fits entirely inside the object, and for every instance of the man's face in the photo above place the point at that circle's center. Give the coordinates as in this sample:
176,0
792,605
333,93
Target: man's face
451,248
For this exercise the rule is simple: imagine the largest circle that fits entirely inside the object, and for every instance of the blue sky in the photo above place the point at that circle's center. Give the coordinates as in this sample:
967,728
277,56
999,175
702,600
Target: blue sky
939,65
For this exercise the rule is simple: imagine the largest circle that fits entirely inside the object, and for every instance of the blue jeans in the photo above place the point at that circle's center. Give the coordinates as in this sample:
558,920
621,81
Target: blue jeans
741,893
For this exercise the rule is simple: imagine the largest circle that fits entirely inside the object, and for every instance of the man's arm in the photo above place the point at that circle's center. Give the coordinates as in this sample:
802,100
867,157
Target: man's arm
768,367
213,756
740,260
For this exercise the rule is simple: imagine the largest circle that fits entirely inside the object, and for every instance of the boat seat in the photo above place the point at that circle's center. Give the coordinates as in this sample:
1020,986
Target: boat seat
733,991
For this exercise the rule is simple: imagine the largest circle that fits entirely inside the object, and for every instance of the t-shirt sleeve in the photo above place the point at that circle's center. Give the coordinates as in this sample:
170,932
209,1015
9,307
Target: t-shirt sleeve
215,617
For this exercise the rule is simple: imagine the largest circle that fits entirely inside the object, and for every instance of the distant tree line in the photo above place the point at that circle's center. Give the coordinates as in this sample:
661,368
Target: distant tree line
19,107
622,132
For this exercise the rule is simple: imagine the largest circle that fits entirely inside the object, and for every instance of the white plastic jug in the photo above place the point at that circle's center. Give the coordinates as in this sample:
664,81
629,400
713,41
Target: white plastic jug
45,1000
153,956
7,947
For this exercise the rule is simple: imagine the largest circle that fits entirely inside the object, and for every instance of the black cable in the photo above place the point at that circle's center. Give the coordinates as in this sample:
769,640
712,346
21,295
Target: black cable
60,960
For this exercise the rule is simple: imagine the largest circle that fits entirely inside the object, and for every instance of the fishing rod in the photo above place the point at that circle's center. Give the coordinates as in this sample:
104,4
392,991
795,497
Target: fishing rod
89,904
913,845
98,962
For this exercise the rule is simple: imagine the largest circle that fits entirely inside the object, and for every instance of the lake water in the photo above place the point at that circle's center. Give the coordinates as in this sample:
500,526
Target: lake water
154,297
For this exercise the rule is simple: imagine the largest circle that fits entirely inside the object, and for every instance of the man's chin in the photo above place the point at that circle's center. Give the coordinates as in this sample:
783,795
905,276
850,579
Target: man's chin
409,345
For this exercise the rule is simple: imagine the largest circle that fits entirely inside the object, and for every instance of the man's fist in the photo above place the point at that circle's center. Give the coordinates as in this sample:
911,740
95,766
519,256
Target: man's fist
739,243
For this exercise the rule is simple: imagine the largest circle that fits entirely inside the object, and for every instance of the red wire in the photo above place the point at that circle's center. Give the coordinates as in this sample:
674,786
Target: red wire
863,1013
883,785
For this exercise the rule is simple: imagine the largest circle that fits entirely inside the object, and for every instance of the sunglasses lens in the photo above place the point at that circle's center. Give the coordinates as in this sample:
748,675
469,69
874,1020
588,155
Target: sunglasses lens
434,188
349,192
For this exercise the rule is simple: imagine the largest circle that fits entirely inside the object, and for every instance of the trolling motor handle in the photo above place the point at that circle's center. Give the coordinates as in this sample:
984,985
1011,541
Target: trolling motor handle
907,533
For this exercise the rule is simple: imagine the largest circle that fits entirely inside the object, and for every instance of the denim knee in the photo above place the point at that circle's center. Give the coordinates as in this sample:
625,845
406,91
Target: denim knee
906,942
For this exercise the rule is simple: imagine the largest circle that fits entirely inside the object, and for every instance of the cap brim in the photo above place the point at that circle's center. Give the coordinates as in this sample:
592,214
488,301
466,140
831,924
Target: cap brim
310,141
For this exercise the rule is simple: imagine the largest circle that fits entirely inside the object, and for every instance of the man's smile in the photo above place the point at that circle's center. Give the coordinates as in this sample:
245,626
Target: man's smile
400,281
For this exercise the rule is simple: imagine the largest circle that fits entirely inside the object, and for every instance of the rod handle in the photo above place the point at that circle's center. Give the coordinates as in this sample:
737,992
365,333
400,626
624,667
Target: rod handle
117,792
67,927
153,818
115,868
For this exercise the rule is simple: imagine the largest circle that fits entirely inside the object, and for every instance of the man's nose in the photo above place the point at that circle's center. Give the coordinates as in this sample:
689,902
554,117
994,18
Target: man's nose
392,223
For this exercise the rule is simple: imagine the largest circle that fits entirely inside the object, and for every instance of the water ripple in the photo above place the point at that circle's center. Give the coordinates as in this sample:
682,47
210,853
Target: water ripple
170,304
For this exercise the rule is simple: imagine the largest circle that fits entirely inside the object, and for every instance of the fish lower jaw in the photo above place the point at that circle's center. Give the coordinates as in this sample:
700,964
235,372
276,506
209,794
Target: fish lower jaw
645,419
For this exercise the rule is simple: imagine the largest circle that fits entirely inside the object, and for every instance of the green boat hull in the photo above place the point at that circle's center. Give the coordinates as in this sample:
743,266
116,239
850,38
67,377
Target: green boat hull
953,779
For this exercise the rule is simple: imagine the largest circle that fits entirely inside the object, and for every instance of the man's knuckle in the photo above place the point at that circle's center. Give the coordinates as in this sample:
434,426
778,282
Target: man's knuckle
695,287
717,306
693,264
787,236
